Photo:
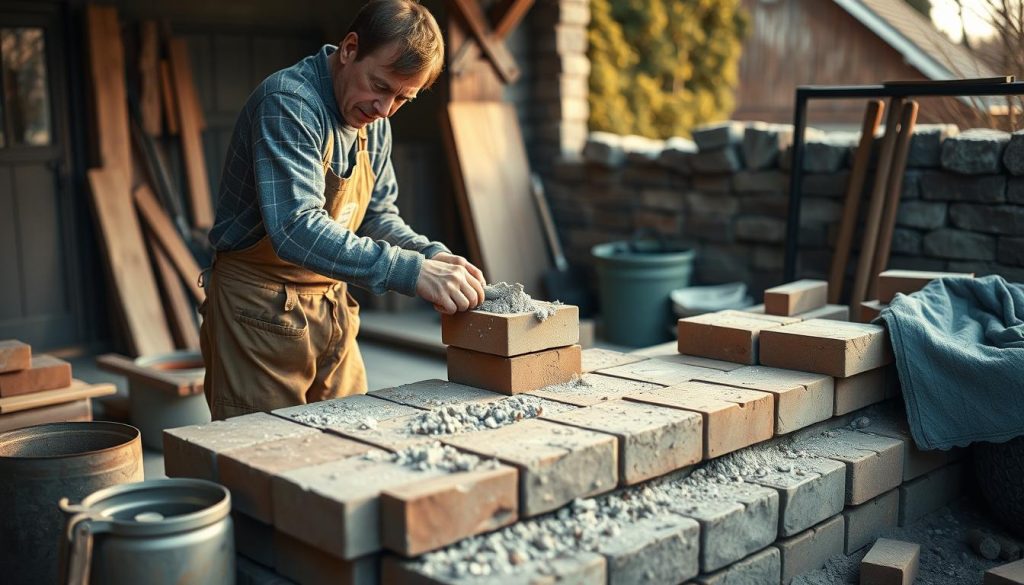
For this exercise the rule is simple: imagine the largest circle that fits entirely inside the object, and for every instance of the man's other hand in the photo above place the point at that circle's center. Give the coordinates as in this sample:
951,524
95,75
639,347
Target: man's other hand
451,283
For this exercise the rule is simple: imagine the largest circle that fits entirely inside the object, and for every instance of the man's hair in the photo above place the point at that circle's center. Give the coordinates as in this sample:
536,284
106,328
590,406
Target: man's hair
410,25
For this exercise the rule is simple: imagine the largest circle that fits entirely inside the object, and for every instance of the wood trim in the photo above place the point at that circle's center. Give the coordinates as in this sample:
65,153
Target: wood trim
493,48
175,384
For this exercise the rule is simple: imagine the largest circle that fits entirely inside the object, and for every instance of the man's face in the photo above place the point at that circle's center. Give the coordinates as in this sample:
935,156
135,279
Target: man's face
369,89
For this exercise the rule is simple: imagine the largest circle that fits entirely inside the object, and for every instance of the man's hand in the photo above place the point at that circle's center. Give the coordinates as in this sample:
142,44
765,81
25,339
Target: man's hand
451,283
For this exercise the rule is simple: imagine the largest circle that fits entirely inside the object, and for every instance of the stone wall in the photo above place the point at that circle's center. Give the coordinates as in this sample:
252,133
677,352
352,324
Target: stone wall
725,193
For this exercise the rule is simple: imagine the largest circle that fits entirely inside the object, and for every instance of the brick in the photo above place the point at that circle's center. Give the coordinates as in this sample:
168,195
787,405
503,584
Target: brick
763,567
975,151
14,356
801,398
827,347
733,418
513,375
718,135
864,389
940,186
652,440
728,337
811,549
700,362
865,522
808,498
344,414
192,451
592,389
661,372
760,229
874,464
556,463
430,394
71,411
954,244
890,562
580,569
248,471
512,334
421,517
722,161
922,214
763,142
734,522
1008,574
796,297
891,282
44,373
870,310
595,359
930,492
308,565
833,312
653,550
893,424
254,539
252,573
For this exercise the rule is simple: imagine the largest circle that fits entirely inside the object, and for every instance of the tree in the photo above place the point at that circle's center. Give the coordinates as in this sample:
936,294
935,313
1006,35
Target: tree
661,67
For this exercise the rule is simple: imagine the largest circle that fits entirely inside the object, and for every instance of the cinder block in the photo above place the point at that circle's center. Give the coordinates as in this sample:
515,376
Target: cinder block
811,549
595,359
556,463
45,372
654,550
429,394
738,520
890,562
762,568
827,347
891,282
592,389
864,389
801,398
874,464
733,417
254,539
581,569
796,297
14,356
865,522
192,451
308,565
248,471
421,517
730,337
700,362
930,492
512,334
661,372
869,310
652,440
1008,574
810,497
513,375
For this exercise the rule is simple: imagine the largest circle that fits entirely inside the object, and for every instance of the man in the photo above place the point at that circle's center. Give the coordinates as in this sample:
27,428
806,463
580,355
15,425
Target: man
307,206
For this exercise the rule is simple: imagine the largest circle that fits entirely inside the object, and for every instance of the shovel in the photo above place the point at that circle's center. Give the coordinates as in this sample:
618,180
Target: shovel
563,282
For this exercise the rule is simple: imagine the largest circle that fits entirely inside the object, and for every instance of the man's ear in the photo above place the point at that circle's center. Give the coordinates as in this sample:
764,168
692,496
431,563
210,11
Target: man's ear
348,49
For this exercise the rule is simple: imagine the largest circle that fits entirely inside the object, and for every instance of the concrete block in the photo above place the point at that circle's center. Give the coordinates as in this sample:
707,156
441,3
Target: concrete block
248,471
801,398
14,356
254,539
45,372
718,135
874,464
890,562
421,517
661,372
653,550
761,568
893,424
592,389
580,569
429,394
700,362
308,565
192,451
733,418
762,144
595,359
930,492
735,521
729,337
811,549
869,310
512,334
809,497
1008,574
796,297
513,375
975,152
556,463
864,523
864,389
891,282
343,414
652,440
834,348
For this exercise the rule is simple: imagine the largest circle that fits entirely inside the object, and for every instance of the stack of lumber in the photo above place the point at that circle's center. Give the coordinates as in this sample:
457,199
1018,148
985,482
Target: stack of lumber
39,389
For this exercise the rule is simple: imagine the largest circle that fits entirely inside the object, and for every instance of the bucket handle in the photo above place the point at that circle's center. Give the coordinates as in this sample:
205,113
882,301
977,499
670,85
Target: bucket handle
77,540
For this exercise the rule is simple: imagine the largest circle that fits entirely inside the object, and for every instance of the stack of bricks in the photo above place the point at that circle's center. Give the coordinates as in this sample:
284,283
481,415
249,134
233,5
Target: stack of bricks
893,282
39,389
516,352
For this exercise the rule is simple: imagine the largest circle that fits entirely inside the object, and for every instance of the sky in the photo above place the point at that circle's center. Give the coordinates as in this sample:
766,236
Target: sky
944,14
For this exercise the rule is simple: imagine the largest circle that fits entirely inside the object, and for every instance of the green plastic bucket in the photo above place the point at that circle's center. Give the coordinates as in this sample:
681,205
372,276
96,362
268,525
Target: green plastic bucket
634,280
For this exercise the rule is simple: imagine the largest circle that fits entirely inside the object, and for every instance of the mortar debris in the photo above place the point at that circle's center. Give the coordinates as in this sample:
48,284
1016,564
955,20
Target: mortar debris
505,298
340,413
434,456
461,418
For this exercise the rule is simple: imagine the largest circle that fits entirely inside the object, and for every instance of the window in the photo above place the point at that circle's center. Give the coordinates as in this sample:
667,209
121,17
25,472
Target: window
25,107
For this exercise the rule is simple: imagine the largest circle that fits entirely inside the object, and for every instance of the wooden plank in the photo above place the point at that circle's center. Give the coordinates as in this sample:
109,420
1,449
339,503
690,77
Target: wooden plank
159,224
74,410
492,181
170,104
106,62
180,313
167,381
189,120
499,56
506,16
77,390
149,77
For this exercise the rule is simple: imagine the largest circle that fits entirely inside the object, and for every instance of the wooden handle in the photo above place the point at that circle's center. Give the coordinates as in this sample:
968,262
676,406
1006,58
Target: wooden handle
549,223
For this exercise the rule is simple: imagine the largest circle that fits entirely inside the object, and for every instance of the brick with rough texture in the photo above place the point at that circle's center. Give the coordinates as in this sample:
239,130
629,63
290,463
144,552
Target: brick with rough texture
310,566
891,282
738,519
556,463
733,418
916,462
926,144
654,550
976,151
954,244
874,464
512,334
513,375
941,186
253,539
592,389
761,568
344,414
865,522
834,348
700,362
653,440
429,394
580,569
718,135
930,492
661,372
801,398
1008,574
808,498
864,389
812,548
45,372
728,337
869,310
192,451
833,312
14,355
796,297
762,143
598,359
890,562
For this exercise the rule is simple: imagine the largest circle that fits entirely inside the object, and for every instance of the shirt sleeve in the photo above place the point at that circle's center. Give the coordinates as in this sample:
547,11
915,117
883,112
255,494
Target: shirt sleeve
382,221
287,139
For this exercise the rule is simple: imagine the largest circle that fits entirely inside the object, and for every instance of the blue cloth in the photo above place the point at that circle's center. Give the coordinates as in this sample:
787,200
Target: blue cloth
959,346
273,184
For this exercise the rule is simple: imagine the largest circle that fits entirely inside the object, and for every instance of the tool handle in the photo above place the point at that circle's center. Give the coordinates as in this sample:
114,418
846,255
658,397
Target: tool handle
549,224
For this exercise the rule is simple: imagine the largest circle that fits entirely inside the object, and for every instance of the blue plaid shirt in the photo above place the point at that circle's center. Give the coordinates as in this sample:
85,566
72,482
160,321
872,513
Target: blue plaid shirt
273,185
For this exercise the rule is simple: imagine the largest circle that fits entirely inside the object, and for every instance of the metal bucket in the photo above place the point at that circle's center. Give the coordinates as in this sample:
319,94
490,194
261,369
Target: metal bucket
154,409
41,464
157,532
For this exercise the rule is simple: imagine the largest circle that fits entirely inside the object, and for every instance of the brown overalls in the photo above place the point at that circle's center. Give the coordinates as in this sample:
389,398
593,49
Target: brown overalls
275,334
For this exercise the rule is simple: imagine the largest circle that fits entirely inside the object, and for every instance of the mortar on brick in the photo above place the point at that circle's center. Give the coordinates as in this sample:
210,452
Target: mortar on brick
591,389
506,298
433,456
351,412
